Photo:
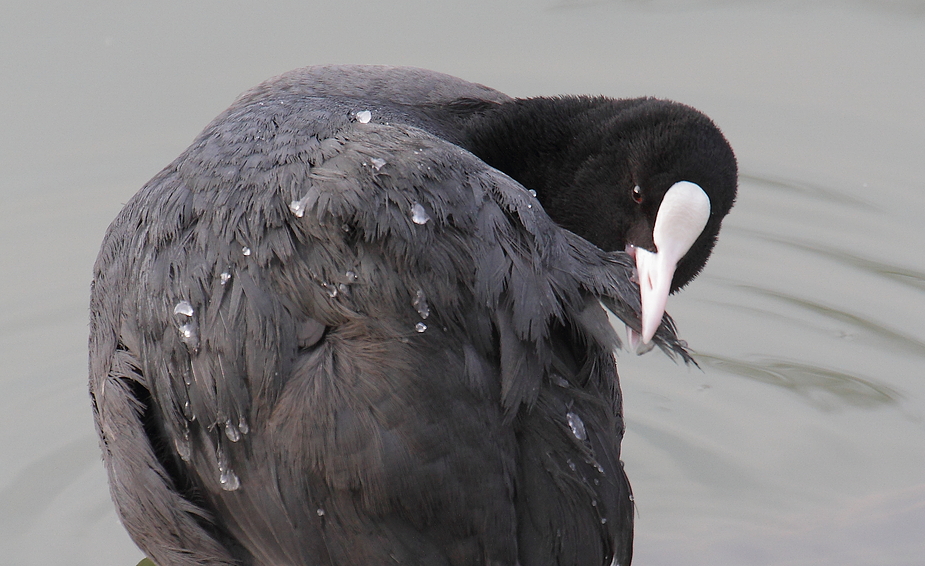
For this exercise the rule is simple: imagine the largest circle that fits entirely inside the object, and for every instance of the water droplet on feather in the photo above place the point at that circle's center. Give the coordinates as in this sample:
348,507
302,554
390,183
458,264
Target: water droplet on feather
189,335
577,426
184,308
182,444
226,476
418,214
331,289
420,304
297,207
229,480
232,431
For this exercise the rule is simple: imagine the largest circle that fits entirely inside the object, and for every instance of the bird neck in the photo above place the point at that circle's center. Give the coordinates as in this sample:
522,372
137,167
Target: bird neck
546,144
537,141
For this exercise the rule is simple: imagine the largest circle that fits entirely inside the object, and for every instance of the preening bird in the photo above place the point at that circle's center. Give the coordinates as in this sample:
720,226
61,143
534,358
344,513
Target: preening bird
359,321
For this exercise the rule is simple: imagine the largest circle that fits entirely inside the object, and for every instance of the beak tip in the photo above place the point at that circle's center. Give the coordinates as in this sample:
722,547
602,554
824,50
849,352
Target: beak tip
648,331
637,342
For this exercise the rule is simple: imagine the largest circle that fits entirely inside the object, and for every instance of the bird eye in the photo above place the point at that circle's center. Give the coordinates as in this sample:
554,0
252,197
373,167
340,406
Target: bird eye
637,194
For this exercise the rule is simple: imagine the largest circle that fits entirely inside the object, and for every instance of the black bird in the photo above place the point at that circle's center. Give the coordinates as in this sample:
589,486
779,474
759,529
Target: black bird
359,321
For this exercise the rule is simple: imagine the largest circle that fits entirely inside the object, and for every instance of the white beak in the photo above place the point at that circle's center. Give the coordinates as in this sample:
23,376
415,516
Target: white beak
680,220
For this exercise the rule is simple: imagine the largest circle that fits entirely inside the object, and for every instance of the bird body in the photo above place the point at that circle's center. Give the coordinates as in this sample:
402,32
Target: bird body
337,330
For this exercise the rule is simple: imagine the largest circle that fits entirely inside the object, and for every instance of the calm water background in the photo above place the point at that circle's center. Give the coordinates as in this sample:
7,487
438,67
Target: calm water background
801,441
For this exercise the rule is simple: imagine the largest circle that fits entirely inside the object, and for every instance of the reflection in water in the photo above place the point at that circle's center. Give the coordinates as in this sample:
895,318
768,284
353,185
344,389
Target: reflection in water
804,188
798,218
890,338
820,386
903,275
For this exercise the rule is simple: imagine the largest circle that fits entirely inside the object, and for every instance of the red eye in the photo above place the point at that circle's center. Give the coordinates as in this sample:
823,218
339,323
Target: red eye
637,194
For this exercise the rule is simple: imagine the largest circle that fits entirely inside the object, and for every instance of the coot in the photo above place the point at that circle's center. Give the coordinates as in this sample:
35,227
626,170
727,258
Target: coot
359,321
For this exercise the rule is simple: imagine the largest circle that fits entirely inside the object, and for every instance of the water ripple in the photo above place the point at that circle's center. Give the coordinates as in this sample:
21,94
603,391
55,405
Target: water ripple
892,337
819,386
903,275
807,189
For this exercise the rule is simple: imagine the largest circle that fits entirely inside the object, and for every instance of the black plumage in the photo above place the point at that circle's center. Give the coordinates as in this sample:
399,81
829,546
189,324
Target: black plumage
339,328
